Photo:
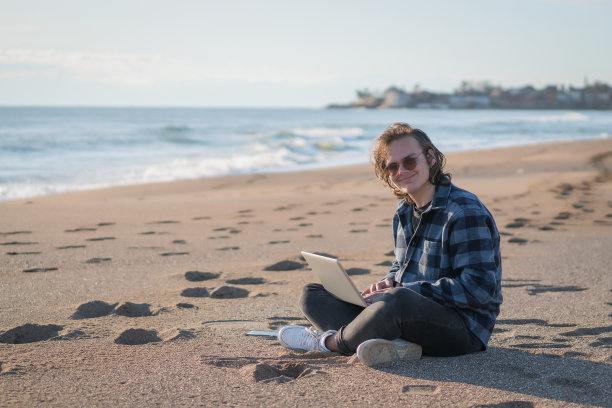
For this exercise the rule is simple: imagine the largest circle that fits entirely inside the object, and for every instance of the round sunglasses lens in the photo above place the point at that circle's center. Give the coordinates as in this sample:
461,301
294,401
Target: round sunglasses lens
393,168
409,163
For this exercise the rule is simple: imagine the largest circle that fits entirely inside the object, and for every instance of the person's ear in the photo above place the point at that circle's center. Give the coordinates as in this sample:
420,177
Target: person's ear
431,157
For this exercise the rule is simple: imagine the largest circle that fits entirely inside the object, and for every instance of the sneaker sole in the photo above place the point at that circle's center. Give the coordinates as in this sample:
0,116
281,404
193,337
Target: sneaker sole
379,351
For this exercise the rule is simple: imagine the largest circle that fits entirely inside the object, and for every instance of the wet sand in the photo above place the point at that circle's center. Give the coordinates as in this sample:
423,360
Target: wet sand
142,295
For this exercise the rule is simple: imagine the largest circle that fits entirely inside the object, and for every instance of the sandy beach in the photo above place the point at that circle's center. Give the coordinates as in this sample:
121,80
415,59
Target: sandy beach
142,295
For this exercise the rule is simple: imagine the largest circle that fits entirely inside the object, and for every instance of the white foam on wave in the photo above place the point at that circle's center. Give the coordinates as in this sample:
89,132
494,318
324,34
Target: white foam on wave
562,117
334,143
259,158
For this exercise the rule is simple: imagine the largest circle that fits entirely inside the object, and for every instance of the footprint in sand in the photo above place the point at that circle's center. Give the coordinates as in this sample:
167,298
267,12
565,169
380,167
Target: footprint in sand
100,239
132,337
18,243
314,236
98,260
30,333
520,322
183,305
357,271
421,389
130,309
105,224
201,218
246,281
286,265
164,222
197,276
72,247
80,229
562,216
278,242
537,288
195,292
229,248
179,242
520,241
33,270
93,309
605,342
229,292
278,373
23,253
588,331
357,231
516,224
174,253
14,233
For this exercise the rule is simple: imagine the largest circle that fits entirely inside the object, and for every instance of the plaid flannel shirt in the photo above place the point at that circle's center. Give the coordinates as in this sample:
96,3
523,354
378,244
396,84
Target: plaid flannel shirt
453,257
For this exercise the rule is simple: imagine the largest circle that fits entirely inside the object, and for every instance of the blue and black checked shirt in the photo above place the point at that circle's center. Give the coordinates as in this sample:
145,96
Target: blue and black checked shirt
453,257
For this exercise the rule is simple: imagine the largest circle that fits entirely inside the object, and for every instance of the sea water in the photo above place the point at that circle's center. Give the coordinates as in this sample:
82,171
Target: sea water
58,149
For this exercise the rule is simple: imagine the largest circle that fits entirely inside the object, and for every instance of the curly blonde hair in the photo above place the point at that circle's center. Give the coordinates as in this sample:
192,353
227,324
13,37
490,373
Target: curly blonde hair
380,154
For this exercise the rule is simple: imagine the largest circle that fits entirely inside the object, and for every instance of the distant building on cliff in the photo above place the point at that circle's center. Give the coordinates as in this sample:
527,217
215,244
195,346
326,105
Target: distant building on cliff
396,98
483,95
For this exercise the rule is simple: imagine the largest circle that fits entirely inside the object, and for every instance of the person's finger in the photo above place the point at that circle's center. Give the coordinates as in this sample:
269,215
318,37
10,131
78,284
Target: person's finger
367,290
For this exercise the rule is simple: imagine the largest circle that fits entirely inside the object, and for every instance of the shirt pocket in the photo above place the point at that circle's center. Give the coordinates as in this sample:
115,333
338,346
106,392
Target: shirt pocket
430,263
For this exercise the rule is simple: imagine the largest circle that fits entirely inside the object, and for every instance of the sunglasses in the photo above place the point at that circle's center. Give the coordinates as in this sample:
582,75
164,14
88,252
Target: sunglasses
408,162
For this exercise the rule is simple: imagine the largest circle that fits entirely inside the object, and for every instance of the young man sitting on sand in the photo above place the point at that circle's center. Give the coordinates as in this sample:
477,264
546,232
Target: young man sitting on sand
443,292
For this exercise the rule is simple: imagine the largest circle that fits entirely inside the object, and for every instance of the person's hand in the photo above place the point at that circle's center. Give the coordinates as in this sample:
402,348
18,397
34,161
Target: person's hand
376,296
378,286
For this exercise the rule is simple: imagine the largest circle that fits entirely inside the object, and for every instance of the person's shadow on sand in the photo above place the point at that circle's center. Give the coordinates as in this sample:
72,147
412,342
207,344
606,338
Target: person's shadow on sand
540,375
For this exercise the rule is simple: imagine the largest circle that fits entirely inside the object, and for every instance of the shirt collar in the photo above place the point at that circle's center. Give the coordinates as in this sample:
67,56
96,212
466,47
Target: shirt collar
440,199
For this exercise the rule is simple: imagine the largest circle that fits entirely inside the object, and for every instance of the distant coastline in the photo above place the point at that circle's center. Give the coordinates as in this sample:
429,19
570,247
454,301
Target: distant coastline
483,95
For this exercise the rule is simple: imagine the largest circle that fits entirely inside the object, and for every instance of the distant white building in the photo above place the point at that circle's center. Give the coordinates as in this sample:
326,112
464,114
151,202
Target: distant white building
396,98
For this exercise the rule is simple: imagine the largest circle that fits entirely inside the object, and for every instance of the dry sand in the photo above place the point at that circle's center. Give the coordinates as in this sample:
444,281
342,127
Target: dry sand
101,303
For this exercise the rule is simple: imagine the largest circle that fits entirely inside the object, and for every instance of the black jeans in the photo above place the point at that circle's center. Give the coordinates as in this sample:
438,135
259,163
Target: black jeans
401,313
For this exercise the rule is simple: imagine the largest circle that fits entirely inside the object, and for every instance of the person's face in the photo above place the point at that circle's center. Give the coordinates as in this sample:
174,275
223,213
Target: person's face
409,169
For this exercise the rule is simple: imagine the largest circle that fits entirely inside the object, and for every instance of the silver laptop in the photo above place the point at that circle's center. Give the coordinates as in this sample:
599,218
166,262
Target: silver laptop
334,278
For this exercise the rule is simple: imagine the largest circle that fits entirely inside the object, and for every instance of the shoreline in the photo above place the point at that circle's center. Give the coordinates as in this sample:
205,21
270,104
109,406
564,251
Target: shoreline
99,291
315,168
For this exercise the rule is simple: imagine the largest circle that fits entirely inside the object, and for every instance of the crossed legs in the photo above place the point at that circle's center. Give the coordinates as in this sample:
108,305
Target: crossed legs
401,313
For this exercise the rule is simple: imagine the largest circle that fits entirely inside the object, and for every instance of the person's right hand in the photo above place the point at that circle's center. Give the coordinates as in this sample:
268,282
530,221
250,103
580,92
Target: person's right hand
378,286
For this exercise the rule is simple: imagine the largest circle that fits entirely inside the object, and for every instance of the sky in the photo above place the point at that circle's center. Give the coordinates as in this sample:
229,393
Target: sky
286,53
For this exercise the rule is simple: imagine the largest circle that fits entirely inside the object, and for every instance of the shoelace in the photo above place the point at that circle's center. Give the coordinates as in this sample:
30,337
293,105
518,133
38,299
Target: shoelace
315,335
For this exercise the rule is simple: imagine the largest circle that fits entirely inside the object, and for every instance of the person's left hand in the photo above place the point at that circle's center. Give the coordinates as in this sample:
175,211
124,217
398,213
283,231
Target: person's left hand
372,297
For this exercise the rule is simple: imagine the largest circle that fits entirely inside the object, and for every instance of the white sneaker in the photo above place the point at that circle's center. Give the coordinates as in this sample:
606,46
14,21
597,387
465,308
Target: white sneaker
303,338
380,351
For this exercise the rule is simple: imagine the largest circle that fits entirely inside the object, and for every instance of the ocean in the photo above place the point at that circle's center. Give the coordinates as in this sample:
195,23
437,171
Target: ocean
48,150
